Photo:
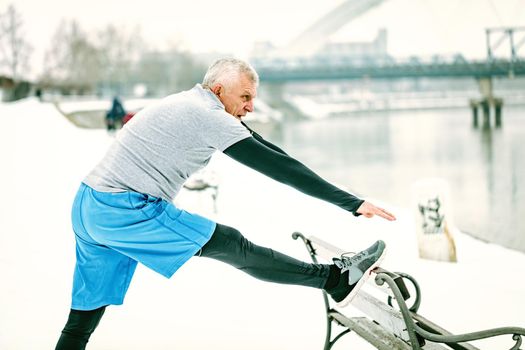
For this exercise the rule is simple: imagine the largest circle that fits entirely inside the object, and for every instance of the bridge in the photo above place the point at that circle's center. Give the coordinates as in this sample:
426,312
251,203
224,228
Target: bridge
311,57
280,70
275,72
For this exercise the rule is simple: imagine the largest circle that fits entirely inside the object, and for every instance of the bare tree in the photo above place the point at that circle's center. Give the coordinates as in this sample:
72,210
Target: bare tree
72,60
187,69
153,70
119,52
168,71
14,49
114,61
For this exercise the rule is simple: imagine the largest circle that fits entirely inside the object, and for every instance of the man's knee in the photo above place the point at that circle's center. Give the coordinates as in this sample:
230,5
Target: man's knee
225,240
230,234
225,235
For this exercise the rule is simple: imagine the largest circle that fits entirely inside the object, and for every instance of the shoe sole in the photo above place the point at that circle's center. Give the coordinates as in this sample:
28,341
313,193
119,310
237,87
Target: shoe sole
361,281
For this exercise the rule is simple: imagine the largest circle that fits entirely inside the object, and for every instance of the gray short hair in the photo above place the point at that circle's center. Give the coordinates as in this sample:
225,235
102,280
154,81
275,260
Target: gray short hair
226,70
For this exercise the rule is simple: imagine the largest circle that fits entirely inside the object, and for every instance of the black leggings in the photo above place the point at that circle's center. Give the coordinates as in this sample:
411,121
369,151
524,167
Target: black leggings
227,245
230,246
78,329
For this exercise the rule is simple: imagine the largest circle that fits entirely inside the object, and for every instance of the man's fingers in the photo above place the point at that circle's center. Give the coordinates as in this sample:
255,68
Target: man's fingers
369,210
384,214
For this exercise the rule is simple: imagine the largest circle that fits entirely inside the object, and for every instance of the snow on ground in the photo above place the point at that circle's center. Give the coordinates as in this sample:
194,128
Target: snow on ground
206,304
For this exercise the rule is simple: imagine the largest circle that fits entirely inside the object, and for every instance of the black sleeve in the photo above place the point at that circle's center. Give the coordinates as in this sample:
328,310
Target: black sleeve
285,169
262,140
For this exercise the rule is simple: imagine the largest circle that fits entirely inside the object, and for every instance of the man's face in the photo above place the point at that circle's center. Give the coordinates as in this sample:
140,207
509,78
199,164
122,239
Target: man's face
237,97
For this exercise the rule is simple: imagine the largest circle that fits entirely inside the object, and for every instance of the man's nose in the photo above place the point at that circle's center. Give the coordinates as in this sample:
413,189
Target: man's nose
249,106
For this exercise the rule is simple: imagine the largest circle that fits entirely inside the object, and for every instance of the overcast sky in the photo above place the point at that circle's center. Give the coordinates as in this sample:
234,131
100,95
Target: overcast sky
415,27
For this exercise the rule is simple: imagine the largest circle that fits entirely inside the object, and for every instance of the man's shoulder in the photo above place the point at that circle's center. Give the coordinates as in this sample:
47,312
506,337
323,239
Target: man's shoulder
195,99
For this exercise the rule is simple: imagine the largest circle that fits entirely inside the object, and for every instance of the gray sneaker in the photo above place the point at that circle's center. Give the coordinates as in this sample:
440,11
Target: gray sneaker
355,270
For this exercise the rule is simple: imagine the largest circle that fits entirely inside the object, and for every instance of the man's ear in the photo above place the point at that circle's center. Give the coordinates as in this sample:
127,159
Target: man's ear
217,90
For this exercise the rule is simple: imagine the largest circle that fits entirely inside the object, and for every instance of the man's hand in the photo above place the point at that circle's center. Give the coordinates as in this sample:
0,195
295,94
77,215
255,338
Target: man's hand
369,210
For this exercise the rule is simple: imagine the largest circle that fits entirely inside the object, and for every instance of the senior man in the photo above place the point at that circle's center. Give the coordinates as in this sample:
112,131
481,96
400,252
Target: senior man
123,212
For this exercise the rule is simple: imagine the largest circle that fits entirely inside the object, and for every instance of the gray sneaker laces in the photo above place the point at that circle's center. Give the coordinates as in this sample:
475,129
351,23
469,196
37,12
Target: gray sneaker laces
345,262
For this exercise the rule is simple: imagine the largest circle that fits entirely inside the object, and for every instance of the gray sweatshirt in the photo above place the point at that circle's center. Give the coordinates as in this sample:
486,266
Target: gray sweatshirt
165,143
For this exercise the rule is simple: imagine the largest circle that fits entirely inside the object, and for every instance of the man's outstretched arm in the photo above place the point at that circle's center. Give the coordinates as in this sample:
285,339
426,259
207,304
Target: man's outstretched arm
279,166
262,140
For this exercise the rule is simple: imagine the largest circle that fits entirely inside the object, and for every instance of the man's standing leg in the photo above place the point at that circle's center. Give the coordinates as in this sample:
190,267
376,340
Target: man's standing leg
79,327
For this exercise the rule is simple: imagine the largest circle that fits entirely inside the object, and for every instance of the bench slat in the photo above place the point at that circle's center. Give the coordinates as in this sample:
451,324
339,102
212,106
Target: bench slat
325,249
434,346
385,315
371,332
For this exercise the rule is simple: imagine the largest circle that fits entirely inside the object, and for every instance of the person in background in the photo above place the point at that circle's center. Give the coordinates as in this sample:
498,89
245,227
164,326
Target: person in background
124,214
115,114
38,94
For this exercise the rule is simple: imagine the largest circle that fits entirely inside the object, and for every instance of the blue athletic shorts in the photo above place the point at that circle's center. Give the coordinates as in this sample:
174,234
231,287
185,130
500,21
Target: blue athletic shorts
114,231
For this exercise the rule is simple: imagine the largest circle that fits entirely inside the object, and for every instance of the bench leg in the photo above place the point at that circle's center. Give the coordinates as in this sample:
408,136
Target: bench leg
328,343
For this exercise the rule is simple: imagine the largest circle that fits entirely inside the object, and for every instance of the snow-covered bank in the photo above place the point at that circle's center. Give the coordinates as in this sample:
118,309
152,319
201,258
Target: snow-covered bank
208,305
263,112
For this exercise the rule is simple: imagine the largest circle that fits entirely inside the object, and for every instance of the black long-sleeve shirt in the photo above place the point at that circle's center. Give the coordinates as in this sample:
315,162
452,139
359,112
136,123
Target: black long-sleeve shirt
270,160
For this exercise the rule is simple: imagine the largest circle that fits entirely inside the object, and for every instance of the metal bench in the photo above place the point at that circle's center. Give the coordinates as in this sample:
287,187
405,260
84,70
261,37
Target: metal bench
390,328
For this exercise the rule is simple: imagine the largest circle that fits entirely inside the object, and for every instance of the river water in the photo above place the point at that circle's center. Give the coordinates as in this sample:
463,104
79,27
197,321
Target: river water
382,154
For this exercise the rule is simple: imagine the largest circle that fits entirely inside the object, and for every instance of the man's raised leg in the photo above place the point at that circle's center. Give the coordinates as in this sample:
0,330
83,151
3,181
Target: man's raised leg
341,280
230,246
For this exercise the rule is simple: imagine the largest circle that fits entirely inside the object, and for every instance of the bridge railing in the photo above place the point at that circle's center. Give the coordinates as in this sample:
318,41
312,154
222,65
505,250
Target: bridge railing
315,68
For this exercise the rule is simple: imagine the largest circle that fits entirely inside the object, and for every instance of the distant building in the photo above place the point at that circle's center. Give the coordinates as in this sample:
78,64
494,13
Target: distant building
375,48
264,53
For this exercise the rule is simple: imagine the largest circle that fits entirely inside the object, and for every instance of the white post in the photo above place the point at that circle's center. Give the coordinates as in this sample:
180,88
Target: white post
433,214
